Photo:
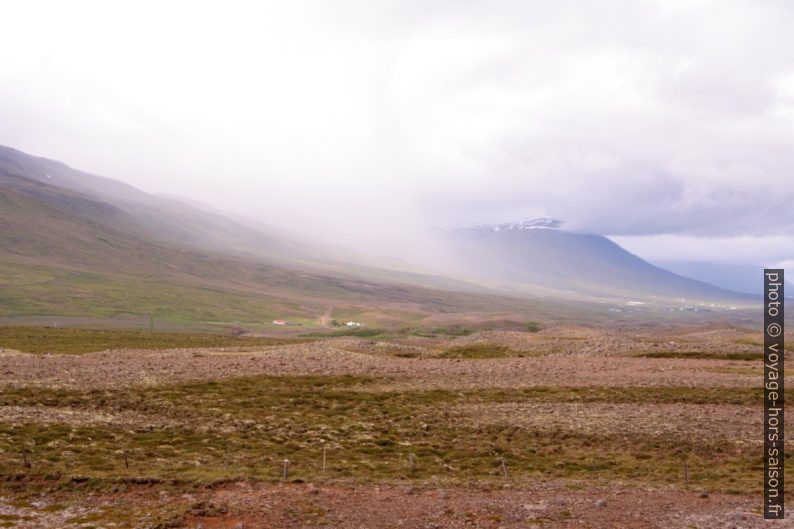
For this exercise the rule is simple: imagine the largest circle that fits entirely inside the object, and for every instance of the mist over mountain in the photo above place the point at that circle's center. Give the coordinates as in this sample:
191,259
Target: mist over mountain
539,254
76,243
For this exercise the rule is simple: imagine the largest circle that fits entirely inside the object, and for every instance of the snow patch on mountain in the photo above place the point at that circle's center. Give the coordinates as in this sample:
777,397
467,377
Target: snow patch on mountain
543,223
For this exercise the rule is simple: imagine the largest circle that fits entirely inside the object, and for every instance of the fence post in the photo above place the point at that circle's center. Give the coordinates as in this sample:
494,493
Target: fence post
686,472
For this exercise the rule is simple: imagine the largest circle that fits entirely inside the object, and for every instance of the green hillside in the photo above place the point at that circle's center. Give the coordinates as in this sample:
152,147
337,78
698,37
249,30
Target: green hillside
64,252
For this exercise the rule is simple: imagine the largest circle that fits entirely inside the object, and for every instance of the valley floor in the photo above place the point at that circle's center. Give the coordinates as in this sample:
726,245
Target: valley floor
567,427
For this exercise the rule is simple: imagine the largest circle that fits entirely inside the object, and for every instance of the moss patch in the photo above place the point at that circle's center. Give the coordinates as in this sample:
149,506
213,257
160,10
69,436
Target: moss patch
76,340
483,350
246,427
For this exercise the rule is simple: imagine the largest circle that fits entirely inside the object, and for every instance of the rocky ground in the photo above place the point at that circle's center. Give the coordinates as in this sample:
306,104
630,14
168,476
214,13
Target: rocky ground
609,377
575,358
262,506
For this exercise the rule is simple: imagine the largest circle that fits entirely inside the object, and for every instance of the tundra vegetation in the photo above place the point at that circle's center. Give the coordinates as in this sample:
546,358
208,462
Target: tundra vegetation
61,442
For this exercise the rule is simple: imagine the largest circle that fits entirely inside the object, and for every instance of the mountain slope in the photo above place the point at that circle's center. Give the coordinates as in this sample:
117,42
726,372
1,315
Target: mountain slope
63,252
165,219
539,253
176,222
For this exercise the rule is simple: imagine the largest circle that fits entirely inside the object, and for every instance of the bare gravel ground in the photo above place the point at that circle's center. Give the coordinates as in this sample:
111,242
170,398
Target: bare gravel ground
547,506
389,506
622,342
135,367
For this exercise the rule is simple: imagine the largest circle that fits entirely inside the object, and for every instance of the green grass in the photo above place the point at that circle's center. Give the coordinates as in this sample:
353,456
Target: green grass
262,390
704,356
435,332
624,395
483,350
760,343
86,294
748,341
77,340
358,332
245,427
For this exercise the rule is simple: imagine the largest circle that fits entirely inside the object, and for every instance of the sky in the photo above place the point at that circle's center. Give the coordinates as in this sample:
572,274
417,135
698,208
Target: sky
667,125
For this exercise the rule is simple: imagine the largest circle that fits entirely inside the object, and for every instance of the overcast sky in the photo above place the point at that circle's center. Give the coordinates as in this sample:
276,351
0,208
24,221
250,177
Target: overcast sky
668,125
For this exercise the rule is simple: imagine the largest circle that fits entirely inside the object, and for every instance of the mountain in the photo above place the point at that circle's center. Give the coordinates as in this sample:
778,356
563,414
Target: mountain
79,245
540,255
85,246
165,219
177,222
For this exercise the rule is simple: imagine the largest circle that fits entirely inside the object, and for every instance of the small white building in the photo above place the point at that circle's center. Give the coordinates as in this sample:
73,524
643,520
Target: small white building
354,324
279,322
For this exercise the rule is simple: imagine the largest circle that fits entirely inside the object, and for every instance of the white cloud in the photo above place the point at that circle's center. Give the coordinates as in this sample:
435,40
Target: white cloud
621,117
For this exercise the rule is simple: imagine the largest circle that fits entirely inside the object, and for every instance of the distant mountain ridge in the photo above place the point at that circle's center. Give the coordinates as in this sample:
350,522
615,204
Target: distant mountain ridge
539,253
